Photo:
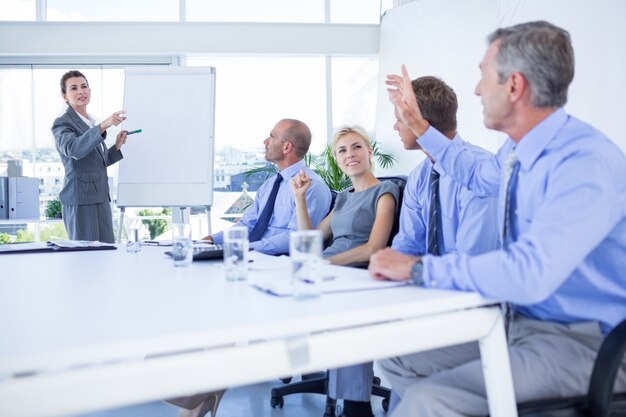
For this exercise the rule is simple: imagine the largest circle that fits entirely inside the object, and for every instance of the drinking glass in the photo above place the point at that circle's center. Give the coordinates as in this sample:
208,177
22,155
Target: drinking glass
182,245
133,242
305,251
236,253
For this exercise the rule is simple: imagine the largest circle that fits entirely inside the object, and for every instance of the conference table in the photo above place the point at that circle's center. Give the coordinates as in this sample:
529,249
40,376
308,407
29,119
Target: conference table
92,330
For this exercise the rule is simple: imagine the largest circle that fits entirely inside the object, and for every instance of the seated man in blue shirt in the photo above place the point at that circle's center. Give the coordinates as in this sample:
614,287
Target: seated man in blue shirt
438,216
286,146
563,221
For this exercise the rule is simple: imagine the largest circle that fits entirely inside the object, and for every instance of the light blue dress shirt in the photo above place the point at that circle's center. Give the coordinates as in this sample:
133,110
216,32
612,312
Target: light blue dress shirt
468,221
568,263
275,240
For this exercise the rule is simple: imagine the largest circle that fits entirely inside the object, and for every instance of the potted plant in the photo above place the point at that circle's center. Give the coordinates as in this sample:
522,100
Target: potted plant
53,209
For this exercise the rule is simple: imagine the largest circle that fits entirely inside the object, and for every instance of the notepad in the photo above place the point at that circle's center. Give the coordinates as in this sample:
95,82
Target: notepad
334,280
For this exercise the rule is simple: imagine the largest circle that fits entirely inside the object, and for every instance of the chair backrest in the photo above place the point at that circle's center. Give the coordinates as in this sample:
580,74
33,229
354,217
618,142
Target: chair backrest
333,197
400,181
605,370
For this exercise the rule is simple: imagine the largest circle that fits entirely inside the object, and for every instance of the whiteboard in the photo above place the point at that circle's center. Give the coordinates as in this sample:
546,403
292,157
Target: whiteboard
169,163
448,38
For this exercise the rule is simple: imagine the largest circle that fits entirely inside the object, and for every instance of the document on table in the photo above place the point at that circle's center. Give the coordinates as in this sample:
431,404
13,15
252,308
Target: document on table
80,244
272,275
56,246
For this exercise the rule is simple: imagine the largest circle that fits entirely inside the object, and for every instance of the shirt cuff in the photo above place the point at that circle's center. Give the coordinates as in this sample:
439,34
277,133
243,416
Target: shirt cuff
218,238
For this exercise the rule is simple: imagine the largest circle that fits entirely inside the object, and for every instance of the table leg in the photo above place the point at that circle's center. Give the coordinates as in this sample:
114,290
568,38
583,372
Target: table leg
497,370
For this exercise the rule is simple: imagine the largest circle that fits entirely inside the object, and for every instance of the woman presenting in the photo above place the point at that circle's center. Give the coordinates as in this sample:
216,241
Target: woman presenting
85,196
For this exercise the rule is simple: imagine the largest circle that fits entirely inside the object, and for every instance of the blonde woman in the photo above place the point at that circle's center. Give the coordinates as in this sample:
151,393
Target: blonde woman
359,224
361,220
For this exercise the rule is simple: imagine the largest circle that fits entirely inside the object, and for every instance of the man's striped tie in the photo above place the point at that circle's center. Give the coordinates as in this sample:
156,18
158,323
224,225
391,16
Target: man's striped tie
511,168
434,219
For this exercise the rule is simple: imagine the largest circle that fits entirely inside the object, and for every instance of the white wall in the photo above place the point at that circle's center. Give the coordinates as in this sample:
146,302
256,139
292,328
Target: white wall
447,38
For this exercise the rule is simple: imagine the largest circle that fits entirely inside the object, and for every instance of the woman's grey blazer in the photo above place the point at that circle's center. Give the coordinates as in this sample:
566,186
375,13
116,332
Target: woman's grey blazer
85,160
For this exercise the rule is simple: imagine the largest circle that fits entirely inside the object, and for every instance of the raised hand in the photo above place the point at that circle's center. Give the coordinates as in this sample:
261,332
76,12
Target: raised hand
113,120
403,98
300,183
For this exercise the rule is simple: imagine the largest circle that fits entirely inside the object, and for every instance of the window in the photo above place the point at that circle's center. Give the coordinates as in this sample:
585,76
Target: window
301,11
17,10
252,94
291,11
358,11
354,82
113,10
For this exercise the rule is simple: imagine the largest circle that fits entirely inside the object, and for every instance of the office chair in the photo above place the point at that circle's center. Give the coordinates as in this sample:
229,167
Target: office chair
318,383
600,400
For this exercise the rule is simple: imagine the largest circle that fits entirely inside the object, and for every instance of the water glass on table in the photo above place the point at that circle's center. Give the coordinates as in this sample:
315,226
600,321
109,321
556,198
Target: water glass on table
182,245
305,251
236,253
133,243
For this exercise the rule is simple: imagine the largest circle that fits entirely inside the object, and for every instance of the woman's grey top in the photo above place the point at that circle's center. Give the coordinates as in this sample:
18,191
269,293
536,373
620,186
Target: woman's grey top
354,214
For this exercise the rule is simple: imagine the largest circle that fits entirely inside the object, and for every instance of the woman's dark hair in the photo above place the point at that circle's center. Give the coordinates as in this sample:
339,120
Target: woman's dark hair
68,75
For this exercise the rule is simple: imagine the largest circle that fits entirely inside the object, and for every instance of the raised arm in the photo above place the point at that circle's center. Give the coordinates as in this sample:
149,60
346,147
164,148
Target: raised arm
403,98
71,144
300,183
113,120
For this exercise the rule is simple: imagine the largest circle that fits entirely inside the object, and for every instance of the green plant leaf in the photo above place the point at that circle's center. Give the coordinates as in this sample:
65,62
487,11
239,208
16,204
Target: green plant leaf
53,209
156,227
269,170
5,238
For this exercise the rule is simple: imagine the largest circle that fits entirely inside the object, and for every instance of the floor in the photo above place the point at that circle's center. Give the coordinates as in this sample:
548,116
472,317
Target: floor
247,401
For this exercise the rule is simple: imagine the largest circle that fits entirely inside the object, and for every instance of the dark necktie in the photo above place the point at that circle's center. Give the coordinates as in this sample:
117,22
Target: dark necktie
434,219
511,168
264,219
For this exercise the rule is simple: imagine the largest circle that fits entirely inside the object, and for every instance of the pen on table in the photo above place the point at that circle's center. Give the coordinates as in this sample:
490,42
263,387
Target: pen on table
326,278
132,132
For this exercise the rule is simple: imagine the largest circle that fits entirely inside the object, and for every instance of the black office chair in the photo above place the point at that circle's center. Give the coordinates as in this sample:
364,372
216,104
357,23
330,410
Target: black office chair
318,383
600,400
400,181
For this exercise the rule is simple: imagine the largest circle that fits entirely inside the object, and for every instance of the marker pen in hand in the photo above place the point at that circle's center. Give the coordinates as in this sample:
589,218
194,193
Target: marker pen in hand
132,132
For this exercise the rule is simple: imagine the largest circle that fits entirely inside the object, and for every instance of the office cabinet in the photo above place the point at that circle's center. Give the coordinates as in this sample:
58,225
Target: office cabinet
23,197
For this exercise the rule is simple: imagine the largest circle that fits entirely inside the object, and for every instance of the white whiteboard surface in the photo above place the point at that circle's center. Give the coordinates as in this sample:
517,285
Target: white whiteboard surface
169,163
447,39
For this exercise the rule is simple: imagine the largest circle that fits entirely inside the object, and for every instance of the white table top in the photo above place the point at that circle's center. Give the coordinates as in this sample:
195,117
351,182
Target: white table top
65,309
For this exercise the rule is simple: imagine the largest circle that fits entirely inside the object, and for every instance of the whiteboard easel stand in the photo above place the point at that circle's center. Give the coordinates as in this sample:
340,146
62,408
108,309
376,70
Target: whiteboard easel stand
174,137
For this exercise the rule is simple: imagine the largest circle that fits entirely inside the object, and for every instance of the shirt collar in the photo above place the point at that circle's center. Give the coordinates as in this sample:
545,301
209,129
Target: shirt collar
536,141
292,170
89,121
